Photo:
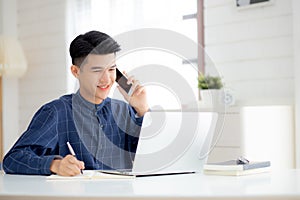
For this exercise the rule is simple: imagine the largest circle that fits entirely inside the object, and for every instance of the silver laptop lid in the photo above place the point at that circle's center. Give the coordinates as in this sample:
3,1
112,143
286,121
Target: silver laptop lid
174,142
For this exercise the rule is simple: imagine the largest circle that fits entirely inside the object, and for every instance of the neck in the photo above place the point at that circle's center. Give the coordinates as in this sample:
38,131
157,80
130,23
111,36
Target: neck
91,99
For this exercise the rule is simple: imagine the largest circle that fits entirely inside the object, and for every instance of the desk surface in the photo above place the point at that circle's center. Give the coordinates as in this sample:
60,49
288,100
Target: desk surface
273,185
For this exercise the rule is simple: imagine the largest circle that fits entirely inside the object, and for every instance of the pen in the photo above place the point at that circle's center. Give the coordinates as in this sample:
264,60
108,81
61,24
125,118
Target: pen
73,153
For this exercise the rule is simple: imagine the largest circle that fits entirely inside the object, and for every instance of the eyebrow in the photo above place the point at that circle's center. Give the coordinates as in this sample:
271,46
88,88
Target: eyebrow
101,68
97,68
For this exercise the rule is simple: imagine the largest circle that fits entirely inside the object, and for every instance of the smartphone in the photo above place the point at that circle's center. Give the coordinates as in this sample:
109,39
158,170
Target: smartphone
122,81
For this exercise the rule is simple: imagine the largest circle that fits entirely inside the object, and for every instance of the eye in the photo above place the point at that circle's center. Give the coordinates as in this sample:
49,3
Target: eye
112,68
97,70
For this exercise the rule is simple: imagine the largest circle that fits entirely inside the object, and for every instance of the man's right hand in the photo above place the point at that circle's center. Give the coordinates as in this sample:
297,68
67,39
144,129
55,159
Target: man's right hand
68,166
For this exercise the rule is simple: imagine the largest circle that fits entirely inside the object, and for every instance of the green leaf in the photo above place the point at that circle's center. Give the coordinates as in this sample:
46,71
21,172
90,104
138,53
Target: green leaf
209,82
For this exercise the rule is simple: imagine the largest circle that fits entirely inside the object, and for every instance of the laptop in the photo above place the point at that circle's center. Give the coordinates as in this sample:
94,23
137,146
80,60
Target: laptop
172,143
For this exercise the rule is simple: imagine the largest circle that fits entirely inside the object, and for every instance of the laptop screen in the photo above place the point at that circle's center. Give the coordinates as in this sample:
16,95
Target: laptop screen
174,142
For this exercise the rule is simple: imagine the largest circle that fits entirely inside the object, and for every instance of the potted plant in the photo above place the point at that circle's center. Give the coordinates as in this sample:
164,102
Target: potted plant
209,82
210,89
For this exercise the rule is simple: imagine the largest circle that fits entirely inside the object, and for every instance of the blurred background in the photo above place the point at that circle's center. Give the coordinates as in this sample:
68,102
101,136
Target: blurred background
254,46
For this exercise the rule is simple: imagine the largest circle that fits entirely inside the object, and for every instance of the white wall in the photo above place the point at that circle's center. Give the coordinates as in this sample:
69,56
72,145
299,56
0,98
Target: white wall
1,16
10,87
257,51
296,42
252,49
41,26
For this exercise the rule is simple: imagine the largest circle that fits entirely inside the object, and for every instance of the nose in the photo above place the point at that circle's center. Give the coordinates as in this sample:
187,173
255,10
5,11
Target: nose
104,77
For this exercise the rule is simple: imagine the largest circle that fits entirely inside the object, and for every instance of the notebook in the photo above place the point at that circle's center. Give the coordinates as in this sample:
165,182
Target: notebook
89,175
172,143
231,167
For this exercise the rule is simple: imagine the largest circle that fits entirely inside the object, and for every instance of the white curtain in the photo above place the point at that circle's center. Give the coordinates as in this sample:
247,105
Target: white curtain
116,17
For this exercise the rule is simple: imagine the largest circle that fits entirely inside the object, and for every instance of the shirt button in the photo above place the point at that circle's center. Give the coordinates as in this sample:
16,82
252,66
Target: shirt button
101,126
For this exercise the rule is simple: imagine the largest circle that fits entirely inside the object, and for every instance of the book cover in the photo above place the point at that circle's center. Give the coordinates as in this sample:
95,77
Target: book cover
232,165
236,172
90,174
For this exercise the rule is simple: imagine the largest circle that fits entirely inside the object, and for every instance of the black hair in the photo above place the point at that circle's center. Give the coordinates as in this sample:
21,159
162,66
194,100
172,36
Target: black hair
92,42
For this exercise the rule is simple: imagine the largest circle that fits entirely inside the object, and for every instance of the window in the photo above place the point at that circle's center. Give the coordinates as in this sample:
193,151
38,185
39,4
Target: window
171,72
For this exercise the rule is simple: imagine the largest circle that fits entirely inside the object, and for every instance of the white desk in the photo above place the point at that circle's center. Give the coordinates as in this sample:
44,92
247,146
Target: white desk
275,185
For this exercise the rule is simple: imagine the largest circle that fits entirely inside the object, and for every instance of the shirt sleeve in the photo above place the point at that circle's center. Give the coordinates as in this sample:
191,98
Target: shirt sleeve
36,148
133,130
134,126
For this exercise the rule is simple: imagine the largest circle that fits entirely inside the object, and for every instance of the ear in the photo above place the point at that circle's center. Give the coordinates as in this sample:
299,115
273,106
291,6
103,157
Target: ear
75,71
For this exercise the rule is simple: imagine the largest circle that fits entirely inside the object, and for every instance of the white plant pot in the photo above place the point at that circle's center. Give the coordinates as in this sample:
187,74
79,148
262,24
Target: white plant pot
211,97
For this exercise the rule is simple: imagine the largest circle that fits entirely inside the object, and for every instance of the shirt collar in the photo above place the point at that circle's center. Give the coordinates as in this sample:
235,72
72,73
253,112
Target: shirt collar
91,106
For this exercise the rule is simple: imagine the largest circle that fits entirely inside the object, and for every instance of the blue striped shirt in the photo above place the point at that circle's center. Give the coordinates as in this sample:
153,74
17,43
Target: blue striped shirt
103,136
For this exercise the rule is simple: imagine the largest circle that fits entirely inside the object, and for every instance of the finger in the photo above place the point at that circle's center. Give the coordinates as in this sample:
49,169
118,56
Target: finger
67,169
123,92
71,159
73,171
135,86
139,90
125,74
74,161
74,168
67,172
79,164
82,166
131,80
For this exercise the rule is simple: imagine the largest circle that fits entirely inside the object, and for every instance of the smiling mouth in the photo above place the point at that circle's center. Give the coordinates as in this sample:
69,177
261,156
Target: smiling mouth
103,87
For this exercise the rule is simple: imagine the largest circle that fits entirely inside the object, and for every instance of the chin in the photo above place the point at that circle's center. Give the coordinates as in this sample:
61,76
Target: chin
101,97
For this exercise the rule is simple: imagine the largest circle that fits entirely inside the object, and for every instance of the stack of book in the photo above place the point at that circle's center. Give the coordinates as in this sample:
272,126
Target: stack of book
233,168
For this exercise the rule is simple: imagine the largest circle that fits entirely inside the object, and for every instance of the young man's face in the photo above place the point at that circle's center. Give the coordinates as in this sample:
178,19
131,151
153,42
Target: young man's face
96,77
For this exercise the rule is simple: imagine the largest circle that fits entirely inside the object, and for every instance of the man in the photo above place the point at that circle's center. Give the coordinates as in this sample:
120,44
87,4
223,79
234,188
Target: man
102,132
